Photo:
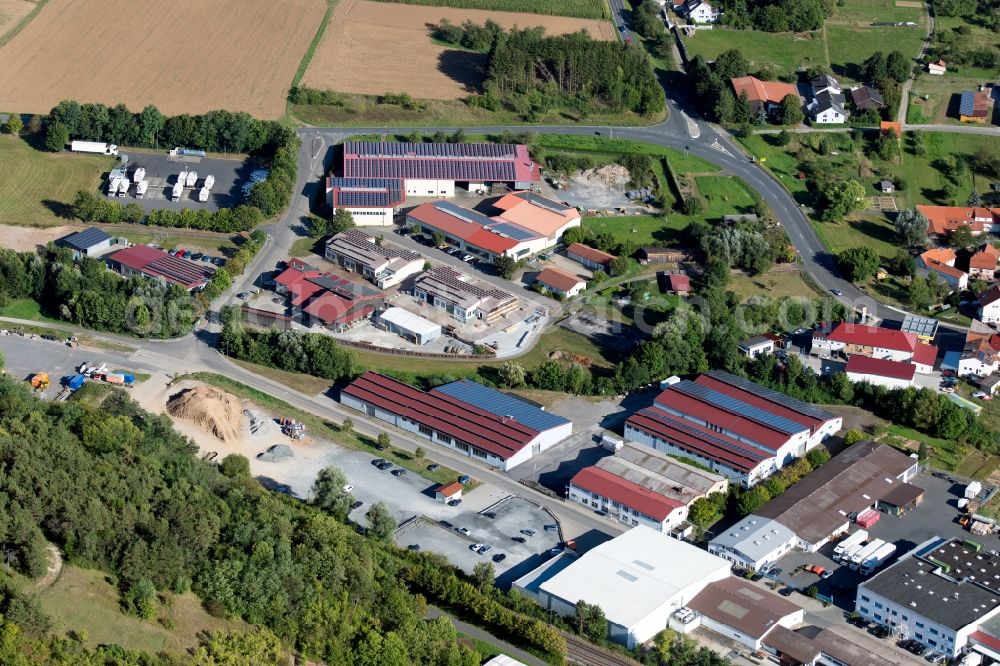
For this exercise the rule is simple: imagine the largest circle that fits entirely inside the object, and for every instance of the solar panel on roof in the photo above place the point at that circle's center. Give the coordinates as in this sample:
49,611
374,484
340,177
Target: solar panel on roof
772,395
501,404
431,150
87,238
664,418
464,214
542,202
967,104
513,231
730,404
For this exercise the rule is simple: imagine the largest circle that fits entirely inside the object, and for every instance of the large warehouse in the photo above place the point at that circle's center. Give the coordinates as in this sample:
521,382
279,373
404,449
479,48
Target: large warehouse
462,297
154,263
634,578
498,429
433,169
737,428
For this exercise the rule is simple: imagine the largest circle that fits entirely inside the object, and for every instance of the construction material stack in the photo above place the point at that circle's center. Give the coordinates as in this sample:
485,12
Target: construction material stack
293,428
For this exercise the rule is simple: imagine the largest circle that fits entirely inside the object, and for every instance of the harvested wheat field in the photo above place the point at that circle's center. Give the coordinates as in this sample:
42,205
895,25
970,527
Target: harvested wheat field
372,48
212,410
186,56
12,11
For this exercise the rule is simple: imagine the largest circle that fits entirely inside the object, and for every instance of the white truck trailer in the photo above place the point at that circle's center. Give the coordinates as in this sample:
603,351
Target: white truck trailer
140,188
93,147
113,186
182,178
123,187
209,181
845,557
192,178
855,539
177,191
865,553
203,194
138,175
877,559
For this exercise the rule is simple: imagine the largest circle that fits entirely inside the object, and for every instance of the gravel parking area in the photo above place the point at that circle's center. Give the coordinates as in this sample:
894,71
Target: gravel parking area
603,332
162,171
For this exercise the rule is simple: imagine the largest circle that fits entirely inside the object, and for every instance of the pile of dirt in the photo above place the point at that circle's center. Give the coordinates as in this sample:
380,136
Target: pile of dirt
212,410
612,175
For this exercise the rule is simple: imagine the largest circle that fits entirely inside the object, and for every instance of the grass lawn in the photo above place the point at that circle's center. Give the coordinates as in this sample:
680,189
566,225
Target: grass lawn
681,161
943,453
171,239
781,163
725,195
772,285
978,465
873,230
863,12
850,45
304,383
26,308
784,51
37,187
641,229
82,601
303,246
941,92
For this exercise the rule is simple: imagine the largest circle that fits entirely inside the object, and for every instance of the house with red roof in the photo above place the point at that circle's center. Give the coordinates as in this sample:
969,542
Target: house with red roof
981,353
154,263
989,305
942,220
983,264
733,426
324,299
590,257
641,506
853,339
559,282
768,94
880,372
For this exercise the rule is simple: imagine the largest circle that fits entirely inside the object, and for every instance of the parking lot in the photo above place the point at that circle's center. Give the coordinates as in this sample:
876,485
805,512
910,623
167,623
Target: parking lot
603,332
511,516
162,171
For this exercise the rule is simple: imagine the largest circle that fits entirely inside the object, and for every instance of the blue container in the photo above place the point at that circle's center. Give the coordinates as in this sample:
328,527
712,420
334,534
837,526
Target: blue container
75,382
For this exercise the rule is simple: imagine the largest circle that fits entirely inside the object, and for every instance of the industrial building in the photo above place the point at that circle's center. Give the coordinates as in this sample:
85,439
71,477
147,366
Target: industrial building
355,250
91,242
735,427
882,343
753,543
318,298
880,371
742,611
462,297
810,645
634,578
482,423
370,201
154,263
528,224
945,594
820,506
590,257
405,324
641,486
434,169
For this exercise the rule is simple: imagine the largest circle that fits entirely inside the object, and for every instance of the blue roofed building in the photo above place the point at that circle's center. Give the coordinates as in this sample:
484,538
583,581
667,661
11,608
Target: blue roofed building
91,242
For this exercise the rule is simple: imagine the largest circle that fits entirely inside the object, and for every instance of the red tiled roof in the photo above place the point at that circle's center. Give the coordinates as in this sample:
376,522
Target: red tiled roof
558,279
944,255
866,365
632,495
302,291
704,410
590,253
449,489
991,295
293,275
472,233
925,354
153,262
985,639
873,336
678,282
447,415
535,213
717,385
942,220
986,258
945,269
330,308
697,439
763,91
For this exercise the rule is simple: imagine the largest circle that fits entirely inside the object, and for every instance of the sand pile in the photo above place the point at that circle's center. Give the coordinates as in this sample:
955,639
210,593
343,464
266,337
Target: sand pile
612,175
212,410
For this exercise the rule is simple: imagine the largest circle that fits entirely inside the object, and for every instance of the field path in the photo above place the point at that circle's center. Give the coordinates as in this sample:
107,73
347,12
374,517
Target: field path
52,570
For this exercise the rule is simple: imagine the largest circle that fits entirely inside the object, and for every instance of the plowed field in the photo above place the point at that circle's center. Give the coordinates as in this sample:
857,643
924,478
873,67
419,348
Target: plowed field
12,11
373,48
184,56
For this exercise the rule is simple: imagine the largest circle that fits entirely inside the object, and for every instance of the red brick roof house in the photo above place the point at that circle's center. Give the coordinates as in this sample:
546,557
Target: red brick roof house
983,264
154,263
766,93
558,281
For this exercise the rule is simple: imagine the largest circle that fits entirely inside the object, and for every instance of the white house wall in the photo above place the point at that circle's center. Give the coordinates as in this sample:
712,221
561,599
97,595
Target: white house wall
990,314
879,380
418,187
371,217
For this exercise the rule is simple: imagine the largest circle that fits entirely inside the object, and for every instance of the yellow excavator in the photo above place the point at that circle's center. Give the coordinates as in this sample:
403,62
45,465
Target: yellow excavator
40,381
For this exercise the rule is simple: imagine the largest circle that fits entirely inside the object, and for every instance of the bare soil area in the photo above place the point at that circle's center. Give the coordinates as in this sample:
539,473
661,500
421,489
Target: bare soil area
12,11
371,48
188,56
27,239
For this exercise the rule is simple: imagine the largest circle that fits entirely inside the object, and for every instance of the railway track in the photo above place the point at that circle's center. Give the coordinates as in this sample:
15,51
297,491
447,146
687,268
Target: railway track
579,651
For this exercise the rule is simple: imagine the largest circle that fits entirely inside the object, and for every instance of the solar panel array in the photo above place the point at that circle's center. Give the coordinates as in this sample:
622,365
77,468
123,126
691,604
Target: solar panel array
542,202
687,429
366,192
429,169
772,395
490,151
449,277
464,214
87,238
501,404
967,104
178,269
734,406
364,243
341,287
513,231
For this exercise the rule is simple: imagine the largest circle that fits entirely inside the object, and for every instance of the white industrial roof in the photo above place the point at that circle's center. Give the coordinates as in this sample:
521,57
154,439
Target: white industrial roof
755,537
634,574
504,660
411,322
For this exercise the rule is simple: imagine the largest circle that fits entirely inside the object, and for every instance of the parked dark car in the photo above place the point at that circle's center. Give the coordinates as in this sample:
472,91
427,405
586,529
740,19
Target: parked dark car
881,631
551,528
519,539
414,546
399,471
433,467
464,479
490,515
454,502
355,505
499,557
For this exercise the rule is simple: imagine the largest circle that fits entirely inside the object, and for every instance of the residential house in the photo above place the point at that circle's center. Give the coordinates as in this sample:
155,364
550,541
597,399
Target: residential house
941,261
559,282
866,97
983,264
975,107
938,67
876,342
989,305
887,186
768,94
589,257
942,220
989,384
676,284
756,346
937,255
828,105
698,11
980,355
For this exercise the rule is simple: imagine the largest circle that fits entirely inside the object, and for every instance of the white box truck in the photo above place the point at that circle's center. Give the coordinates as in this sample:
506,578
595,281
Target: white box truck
140,188
209,181
113,186
192,178
93,147
123,187
177,191
182,178
203,194
855,539
139,174
845,557
877,559
865,553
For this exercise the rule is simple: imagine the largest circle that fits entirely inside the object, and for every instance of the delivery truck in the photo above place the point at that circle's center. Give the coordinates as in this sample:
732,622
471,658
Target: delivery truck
113,186
845,557
855,539
865,553
877,559
123,187
93,147
178,190
203,194
209,181
192,178
140,188
138,175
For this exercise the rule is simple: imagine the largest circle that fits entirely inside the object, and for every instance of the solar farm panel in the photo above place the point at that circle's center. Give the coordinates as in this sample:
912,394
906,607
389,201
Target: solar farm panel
734,406
967,104
501,404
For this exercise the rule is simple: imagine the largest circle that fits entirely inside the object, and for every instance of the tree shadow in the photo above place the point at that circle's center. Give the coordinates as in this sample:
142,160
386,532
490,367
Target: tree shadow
872,230
465,67
59,208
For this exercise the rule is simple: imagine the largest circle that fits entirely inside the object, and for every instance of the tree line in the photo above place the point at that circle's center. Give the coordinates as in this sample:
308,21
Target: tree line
776,15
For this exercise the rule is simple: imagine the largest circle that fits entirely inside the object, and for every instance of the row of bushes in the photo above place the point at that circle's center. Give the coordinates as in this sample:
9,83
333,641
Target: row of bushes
91,207
222,279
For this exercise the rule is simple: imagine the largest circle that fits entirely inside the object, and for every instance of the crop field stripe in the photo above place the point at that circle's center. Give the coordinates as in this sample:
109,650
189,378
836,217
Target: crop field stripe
331,6
19,26
592,9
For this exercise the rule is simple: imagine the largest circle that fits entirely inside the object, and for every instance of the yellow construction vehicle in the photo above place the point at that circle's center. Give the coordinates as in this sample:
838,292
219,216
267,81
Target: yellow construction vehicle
40,381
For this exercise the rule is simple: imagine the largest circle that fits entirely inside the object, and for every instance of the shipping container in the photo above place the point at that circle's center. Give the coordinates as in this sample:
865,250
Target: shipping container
114,378
93,147
75,382
867,518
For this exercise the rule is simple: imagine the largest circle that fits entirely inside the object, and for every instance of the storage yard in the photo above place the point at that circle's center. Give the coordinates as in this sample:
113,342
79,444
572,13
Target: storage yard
174,55
372,48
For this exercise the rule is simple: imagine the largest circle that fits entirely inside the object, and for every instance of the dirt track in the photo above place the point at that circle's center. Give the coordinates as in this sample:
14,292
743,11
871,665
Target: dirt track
186,56
375,47
12,11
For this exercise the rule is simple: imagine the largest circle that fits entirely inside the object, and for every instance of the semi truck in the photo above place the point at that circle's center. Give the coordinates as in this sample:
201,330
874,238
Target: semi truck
113,186
855,539
877,559
138,175
93,147
203,194
123,187
192,178
848,553
865,553
209,181
177,191
140,188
